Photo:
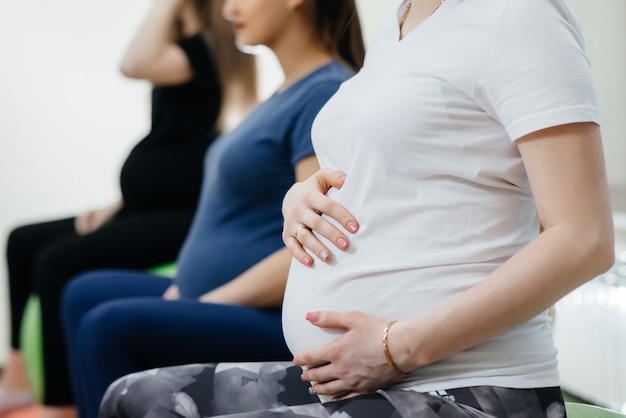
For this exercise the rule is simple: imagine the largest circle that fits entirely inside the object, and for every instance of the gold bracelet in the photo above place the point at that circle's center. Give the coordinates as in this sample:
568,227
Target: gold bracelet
390,361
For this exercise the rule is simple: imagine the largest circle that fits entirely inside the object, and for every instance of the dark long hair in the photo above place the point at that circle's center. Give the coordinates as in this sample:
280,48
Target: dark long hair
339,27
237,70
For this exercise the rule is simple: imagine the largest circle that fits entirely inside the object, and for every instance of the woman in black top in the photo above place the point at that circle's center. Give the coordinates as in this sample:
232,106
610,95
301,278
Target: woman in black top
188,53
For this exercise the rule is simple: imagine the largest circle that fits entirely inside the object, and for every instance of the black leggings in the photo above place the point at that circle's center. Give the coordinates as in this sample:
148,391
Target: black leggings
43,257
274,390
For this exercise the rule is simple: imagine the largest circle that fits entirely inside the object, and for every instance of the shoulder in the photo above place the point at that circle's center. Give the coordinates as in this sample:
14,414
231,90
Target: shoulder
532,33
331,74
324,81
520,17
539,18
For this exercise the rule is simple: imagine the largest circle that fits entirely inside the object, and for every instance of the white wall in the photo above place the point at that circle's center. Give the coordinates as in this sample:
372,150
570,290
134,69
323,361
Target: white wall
68,118
604,27
374,13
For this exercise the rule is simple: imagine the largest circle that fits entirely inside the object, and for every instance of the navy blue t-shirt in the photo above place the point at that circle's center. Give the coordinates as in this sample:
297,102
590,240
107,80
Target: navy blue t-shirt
238,221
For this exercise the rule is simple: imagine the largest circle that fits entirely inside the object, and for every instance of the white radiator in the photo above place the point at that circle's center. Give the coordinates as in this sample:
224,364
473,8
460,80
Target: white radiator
590,335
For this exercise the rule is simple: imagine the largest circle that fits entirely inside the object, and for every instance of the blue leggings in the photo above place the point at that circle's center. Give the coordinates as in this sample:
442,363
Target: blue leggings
117,323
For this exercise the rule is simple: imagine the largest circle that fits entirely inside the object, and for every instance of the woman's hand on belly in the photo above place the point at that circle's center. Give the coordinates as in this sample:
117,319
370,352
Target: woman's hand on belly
302,208
353,364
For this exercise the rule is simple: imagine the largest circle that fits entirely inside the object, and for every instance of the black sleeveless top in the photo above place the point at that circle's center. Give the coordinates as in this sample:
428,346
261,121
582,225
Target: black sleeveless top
164,170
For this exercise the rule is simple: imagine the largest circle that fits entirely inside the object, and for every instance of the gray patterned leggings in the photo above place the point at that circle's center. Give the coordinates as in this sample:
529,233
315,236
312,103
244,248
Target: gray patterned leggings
274,390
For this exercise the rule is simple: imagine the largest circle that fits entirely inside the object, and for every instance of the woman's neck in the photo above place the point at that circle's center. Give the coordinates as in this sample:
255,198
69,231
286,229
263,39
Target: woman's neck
299,56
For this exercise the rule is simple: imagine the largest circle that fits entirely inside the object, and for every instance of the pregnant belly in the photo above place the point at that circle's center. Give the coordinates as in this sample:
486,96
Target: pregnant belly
347,284
351,283
308,289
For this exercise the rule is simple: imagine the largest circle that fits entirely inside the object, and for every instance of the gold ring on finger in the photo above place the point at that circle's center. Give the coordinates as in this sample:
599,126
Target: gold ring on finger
298,231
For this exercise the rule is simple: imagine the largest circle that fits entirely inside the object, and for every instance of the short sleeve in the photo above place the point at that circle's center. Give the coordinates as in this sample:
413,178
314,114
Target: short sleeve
312,102
200,58
537,74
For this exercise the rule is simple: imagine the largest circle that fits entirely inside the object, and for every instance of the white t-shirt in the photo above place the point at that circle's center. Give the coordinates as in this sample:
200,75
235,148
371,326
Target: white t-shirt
426,134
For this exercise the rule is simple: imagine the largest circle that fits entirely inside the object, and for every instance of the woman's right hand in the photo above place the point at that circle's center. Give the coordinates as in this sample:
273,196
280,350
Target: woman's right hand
171,293
92,220
302,208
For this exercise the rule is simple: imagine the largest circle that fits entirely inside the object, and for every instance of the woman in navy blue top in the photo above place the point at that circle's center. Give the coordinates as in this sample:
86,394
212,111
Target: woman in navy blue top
233,258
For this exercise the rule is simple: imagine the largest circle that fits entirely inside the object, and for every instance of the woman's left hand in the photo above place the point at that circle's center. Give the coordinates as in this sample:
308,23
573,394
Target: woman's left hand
352,365
303,205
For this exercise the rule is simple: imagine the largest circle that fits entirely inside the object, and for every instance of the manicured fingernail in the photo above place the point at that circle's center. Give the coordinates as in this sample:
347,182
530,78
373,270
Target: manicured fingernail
312,316
306,261
351,227
323,255
342,243
342,178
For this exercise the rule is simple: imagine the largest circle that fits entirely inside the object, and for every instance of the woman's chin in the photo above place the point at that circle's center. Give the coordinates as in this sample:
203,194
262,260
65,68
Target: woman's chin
251,48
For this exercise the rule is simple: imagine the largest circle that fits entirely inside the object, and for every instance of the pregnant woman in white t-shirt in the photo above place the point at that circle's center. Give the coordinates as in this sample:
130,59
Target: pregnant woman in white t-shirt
465,130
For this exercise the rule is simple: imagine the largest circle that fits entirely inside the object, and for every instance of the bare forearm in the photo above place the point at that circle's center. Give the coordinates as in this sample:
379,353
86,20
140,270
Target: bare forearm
528,284
261,286
152,37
